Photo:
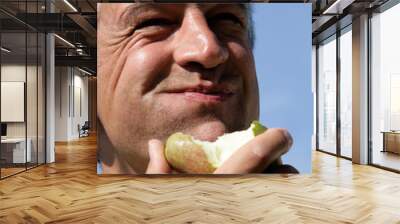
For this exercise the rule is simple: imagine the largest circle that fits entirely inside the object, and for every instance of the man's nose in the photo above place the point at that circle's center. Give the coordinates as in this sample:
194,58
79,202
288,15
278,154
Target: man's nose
196,43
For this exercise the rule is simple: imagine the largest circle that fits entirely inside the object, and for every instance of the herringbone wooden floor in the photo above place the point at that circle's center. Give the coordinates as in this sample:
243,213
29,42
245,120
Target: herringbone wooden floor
69,191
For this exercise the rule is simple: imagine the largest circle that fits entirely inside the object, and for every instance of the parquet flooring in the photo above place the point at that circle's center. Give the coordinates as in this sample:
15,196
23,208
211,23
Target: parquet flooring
9,171
69,191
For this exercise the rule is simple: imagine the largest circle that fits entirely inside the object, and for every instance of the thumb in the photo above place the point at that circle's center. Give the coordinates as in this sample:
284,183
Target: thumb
157,164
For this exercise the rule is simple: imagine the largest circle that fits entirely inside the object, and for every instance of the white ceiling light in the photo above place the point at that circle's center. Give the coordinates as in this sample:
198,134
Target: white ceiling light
84,71
80,51
65,41
70,5
5,50
338,6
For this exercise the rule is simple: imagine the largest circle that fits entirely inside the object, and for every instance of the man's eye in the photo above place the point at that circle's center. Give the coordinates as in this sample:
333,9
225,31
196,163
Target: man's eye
227,17
154,22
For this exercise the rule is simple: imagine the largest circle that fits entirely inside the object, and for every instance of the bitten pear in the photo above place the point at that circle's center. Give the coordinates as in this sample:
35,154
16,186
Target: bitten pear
189,155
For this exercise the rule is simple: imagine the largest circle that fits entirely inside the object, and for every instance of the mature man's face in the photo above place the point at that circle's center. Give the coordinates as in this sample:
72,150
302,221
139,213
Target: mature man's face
173,67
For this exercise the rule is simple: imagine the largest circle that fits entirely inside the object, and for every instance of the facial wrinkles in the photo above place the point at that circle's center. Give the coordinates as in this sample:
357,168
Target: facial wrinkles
111,46
113,23
136,41
124,48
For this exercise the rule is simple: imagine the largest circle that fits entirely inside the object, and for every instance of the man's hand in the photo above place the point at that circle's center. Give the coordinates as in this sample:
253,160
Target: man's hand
258,153
157,164
253,157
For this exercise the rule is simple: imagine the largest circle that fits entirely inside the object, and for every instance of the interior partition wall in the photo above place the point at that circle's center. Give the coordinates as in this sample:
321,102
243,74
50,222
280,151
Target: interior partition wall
22,88
334,93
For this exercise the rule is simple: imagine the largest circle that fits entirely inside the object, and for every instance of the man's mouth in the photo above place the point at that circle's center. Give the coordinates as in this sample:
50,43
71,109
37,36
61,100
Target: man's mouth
202,93
206,97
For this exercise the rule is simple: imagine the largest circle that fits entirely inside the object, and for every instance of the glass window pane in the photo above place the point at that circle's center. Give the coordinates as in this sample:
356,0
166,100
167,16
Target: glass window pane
327,95
346,94
14,153
23,89
41,98
31,97
386,88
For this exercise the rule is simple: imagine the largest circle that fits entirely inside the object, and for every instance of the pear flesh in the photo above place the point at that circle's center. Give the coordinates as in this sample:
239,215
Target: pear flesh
187,154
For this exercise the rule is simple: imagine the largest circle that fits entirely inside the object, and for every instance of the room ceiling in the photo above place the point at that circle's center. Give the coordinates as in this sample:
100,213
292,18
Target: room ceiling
76,22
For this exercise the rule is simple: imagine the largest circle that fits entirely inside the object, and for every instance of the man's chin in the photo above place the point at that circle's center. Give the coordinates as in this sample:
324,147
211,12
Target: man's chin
207,131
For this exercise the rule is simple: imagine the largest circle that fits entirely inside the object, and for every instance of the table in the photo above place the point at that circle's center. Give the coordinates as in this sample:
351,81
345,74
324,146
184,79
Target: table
13,150
391,141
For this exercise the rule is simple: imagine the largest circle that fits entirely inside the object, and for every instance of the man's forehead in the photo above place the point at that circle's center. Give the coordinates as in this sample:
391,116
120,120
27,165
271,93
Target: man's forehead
204,6
138,7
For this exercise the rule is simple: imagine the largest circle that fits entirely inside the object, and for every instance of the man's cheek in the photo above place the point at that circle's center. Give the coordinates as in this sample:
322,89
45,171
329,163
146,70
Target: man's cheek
149,56
144,66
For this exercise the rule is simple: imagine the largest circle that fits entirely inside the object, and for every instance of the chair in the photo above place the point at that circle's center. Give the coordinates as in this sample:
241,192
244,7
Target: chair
84,130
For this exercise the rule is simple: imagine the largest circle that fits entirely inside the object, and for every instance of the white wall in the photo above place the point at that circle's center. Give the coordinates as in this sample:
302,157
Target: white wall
16,72
13,101
81,103
61,103
70,83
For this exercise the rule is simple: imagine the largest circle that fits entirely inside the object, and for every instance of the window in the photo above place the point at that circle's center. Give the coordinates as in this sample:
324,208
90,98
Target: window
22,86
385,88
327,95
346,92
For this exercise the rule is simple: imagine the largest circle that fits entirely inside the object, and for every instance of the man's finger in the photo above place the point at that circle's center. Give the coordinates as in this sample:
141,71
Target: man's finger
157,164
257,154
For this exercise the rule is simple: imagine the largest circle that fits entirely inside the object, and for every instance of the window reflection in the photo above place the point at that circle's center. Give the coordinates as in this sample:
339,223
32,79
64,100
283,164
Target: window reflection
22,89
327,95
346,92
385,93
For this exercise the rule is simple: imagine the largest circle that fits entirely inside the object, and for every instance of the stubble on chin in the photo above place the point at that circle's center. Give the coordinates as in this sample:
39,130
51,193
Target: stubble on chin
204,123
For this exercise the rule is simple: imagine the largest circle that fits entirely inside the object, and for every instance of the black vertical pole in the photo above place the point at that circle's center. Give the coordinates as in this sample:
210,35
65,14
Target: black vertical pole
26,86
338,73
369,91
37,88
317,96
45,88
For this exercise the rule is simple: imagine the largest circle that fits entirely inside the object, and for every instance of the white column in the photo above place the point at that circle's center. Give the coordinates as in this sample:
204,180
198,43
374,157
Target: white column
50,99
360,90
50,93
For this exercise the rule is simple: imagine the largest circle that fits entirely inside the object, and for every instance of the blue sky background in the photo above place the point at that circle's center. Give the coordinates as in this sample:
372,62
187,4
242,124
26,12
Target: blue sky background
282,53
